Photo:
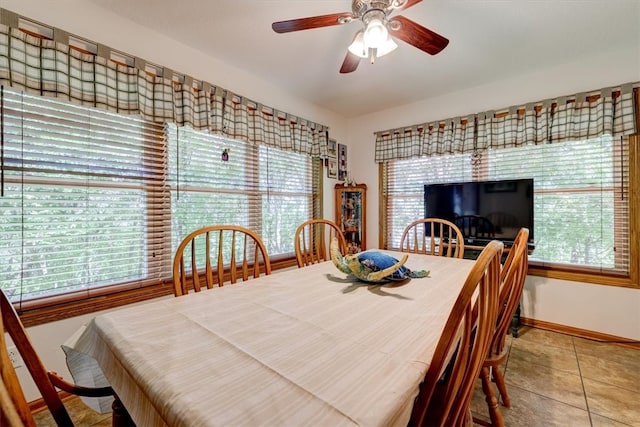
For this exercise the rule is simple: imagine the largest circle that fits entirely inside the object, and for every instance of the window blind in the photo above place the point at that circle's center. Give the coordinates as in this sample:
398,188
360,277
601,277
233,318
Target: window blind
82,204
581,196
580,200
267,190
403,187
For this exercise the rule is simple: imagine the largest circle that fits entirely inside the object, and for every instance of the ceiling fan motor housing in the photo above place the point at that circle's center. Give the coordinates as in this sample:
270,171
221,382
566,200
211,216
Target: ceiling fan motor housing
361,7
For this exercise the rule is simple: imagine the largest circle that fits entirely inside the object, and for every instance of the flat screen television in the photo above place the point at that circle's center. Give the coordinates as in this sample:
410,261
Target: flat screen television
483,210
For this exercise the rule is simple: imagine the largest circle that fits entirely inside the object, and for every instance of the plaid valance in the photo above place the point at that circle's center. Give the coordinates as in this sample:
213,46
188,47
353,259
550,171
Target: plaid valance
583,116
50,67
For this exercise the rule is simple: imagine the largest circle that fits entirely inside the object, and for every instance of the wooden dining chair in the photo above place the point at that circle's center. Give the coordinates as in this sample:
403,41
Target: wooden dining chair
45,381
475,226
312,240
217,254
14,409
433,236
512,277
445,393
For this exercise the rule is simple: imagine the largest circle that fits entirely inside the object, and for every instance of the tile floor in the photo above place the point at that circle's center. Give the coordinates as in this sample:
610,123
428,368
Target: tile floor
552,379
559,380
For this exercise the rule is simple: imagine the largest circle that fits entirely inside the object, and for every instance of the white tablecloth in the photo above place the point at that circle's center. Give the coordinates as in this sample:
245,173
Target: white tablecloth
307,346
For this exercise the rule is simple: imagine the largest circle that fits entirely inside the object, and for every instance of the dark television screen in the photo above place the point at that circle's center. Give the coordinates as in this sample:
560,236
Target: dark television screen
483,210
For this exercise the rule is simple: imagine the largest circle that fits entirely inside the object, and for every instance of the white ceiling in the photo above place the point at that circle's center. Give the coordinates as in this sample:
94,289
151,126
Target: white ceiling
489,40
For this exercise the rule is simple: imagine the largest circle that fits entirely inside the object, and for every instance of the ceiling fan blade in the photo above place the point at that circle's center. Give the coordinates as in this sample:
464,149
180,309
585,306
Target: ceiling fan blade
417,35
312,22
408,4
350,63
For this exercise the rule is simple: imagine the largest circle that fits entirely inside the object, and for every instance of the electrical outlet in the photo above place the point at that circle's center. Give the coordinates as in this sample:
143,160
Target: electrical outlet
16,360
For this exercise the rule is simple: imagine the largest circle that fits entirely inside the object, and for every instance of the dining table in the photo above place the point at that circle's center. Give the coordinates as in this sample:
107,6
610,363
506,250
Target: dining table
304,346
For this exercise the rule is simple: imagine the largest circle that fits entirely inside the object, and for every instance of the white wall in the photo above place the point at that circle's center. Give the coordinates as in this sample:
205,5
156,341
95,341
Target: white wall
604,309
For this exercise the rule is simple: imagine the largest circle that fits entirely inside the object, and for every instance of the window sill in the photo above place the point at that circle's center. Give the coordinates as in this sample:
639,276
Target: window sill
577,275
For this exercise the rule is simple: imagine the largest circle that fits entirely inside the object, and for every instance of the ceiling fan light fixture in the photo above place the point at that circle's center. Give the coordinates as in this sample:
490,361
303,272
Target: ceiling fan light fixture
375,32
387,47
358,47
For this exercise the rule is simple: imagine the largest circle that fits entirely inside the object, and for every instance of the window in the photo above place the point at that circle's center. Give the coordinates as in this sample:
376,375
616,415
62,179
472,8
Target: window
581,194
404,186
581,197
268,190
82,204
94,202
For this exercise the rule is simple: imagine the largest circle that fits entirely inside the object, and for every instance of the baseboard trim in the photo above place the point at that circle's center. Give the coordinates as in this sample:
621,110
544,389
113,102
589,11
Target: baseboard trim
581,333
38,405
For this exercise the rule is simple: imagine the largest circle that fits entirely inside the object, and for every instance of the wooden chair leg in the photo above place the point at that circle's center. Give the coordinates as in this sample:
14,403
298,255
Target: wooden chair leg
498,378
120,417
492,401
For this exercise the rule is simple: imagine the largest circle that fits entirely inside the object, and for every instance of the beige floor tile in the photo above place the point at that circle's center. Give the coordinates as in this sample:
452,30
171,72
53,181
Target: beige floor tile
563,359
609,363
612,402
600,421
104,423
532,410
553,383
619,353
43,419
542,337
610,371
81,415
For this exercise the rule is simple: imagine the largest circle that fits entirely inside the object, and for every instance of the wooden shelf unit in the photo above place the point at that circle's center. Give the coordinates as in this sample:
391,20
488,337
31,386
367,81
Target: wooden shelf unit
351,214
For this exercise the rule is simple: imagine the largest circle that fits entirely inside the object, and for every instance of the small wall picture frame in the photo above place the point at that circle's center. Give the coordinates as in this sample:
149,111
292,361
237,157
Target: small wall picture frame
332,168
342,162
332,149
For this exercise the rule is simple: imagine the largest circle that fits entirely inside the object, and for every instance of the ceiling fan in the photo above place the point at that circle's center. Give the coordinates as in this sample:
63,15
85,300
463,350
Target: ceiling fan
374,40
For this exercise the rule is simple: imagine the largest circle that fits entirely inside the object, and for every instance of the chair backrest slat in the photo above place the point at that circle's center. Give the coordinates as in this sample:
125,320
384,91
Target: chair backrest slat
219,260
194,269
